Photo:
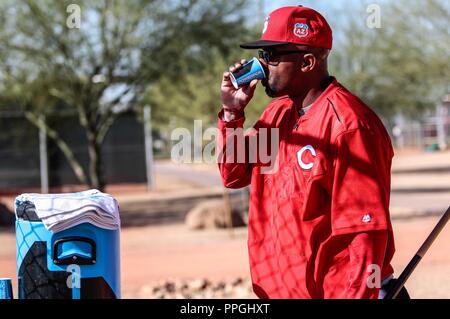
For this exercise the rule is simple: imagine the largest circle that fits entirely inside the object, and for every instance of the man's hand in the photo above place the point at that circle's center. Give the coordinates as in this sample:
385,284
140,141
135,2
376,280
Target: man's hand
235,100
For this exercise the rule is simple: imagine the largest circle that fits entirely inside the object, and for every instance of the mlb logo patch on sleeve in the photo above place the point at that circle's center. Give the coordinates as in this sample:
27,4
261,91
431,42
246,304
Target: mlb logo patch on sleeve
367,218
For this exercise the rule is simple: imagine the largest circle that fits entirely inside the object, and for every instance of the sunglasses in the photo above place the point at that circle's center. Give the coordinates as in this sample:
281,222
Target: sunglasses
271,56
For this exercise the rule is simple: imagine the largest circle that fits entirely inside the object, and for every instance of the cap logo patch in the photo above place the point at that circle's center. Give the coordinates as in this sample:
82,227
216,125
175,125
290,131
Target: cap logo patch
301,30
266,24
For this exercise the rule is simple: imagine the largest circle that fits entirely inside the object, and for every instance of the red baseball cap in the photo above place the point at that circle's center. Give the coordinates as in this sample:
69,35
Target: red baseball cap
294,24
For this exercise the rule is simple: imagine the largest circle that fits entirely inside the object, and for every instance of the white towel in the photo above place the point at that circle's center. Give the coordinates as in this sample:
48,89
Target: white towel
62,211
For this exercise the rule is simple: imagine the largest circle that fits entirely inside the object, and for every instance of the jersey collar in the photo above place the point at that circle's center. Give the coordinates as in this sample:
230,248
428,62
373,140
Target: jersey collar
316,106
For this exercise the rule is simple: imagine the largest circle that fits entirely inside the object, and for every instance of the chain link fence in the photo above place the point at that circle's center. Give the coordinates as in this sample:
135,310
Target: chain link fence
431,133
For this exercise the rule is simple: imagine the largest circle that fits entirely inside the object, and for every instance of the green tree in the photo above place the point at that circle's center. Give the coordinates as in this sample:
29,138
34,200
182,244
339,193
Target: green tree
122,48
401,67
194,93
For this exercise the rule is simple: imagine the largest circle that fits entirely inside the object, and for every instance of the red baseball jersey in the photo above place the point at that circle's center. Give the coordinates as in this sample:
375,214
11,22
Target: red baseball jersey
331,179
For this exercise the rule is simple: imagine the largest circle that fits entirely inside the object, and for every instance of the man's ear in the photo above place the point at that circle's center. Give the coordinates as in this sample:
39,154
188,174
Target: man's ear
309,62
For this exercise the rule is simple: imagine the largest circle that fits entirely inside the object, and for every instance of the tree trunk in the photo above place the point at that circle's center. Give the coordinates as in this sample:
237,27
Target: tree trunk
95,163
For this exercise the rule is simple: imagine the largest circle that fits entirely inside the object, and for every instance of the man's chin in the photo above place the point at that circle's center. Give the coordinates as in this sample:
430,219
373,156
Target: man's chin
269,91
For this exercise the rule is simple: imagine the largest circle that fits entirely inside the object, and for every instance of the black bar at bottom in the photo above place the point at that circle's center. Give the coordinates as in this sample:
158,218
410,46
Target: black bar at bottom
391,294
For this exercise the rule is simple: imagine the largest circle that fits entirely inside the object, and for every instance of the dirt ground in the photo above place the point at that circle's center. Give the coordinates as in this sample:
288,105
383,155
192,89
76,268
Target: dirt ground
175,252
152,254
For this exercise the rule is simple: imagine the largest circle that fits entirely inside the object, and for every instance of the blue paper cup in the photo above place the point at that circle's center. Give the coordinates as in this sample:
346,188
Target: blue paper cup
249,71
6,288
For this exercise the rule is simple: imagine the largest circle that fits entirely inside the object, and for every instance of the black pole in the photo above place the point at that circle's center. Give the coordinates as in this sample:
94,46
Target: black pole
391,294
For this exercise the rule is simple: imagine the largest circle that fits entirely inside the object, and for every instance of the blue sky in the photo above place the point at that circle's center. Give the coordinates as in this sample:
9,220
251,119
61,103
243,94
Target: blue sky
325,7
336,12
321,6
328,8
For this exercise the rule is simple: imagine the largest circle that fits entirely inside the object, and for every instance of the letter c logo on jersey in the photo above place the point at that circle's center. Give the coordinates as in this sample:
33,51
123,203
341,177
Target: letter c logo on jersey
303,165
